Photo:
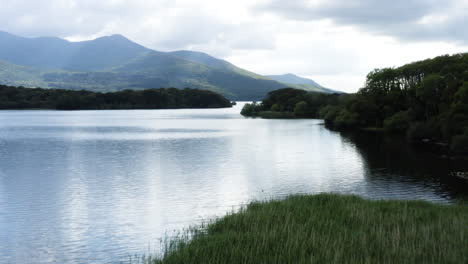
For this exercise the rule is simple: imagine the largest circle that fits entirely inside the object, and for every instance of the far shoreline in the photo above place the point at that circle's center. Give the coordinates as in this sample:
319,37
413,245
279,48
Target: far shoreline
16,98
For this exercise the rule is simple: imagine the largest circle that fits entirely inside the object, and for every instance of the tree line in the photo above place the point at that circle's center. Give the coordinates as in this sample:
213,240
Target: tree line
60,99
426,100
292,103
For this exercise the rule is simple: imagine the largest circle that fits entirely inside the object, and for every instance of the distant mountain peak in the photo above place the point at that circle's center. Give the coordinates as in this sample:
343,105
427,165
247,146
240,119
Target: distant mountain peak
115,62
117,36
56,53
114,37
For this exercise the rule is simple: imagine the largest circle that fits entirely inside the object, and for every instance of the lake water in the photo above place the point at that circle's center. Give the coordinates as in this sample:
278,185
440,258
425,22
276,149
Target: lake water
100,186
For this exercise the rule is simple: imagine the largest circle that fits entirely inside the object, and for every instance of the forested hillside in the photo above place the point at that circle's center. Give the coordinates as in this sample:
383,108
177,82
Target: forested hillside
292,103
426,100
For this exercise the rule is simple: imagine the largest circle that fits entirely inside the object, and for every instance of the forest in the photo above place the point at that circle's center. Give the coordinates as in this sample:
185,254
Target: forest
427,101
292,103
164,98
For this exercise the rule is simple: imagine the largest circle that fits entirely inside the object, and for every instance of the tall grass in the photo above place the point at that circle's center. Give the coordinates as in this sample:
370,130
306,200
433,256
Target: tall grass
328,228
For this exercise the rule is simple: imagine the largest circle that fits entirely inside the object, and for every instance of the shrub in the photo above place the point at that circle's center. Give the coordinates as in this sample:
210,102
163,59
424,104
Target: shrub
460,143
346,119
251,109
276,108
300,109
329,113
421,131
398,122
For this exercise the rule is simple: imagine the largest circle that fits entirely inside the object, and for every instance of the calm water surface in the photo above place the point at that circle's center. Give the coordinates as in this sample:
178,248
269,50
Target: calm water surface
99,186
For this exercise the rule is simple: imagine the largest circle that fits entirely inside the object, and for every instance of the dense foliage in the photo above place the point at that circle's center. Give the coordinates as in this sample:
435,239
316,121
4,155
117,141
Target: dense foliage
291,103
164,98
328,228
426,100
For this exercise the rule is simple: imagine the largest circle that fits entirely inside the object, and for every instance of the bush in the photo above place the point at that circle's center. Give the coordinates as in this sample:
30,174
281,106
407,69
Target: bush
276,108
329,113
346,119
300,109
251,109
398,122
421,131
460,143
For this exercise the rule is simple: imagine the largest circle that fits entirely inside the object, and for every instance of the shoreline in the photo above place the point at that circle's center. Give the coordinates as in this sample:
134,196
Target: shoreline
427,145
328,228
110,109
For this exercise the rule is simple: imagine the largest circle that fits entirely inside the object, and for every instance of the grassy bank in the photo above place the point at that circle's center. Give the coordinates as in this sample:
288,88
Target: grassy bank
330,228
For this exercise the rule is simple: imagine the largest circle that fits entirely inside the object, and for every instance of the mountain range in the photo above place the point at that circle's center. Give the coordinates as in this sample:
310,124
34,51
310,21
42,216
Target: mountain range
113,63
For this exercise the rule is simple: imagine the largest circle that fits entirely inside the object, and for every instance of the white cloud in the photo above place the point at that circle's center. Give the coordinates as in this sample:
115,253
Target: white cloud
333,42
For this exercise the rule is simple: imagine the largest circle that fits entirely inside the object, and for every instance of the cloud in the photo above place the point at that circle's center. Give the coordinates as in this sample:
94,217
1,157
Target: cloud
336,57
410,20
158,24
204,33
333,42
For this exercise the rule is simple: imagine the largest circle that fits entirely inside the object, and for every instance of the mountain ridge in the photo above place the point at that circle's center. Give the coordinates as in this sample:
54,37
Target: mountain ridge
114,62
299,82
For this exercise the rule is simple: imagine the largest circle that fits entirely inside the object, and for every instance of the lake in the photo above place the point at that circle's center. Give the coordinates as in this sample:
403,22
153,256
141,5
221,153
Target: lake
101,186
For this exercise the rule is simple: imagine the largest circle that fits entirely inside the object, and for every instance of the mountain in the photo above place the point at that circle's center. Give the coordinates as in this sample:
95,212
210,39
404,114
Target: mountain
115,63
11,74
207,60
295,81
289,79
56,53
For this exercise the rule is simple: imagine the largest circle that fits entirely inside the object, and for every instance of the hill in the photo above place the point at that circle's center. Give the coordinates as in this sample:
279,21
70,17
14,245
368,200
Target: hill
116,63
426,101
56,53
207,60
298,82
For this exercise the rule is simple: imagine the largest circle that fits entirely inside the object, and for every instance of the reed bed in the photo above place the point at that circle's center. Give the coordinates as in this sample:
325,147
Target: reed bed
328,228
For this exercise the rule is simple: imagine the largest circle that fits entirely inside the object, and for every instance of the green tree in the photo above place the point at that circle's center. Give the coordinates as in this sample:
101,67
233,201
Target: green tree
399,122
300,109
429,92
276,108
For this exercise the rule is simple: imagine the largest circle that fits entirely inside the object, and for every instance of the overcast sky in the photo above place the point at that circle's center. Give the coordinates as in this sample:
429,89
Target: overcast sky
334,42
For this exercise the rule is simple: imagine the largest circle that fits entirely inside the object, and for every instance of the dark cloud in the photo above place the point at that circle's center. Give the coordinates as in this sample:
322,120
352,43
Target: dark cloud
416,20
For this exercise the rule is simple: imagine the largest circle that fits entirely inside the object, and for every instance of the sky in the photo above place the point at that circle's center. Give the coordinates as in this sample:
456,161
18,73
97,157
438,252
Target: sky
334,42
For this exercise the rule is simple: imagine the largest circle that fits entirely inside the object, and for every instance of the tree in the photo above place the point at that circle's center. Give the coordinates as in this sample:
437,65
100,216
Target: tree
300,110
429,92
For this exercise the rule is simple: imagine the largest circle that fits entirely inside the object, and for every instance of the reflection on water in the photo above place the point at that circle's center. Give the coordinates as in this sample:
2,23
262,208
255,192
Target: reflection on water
98,186
392,164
